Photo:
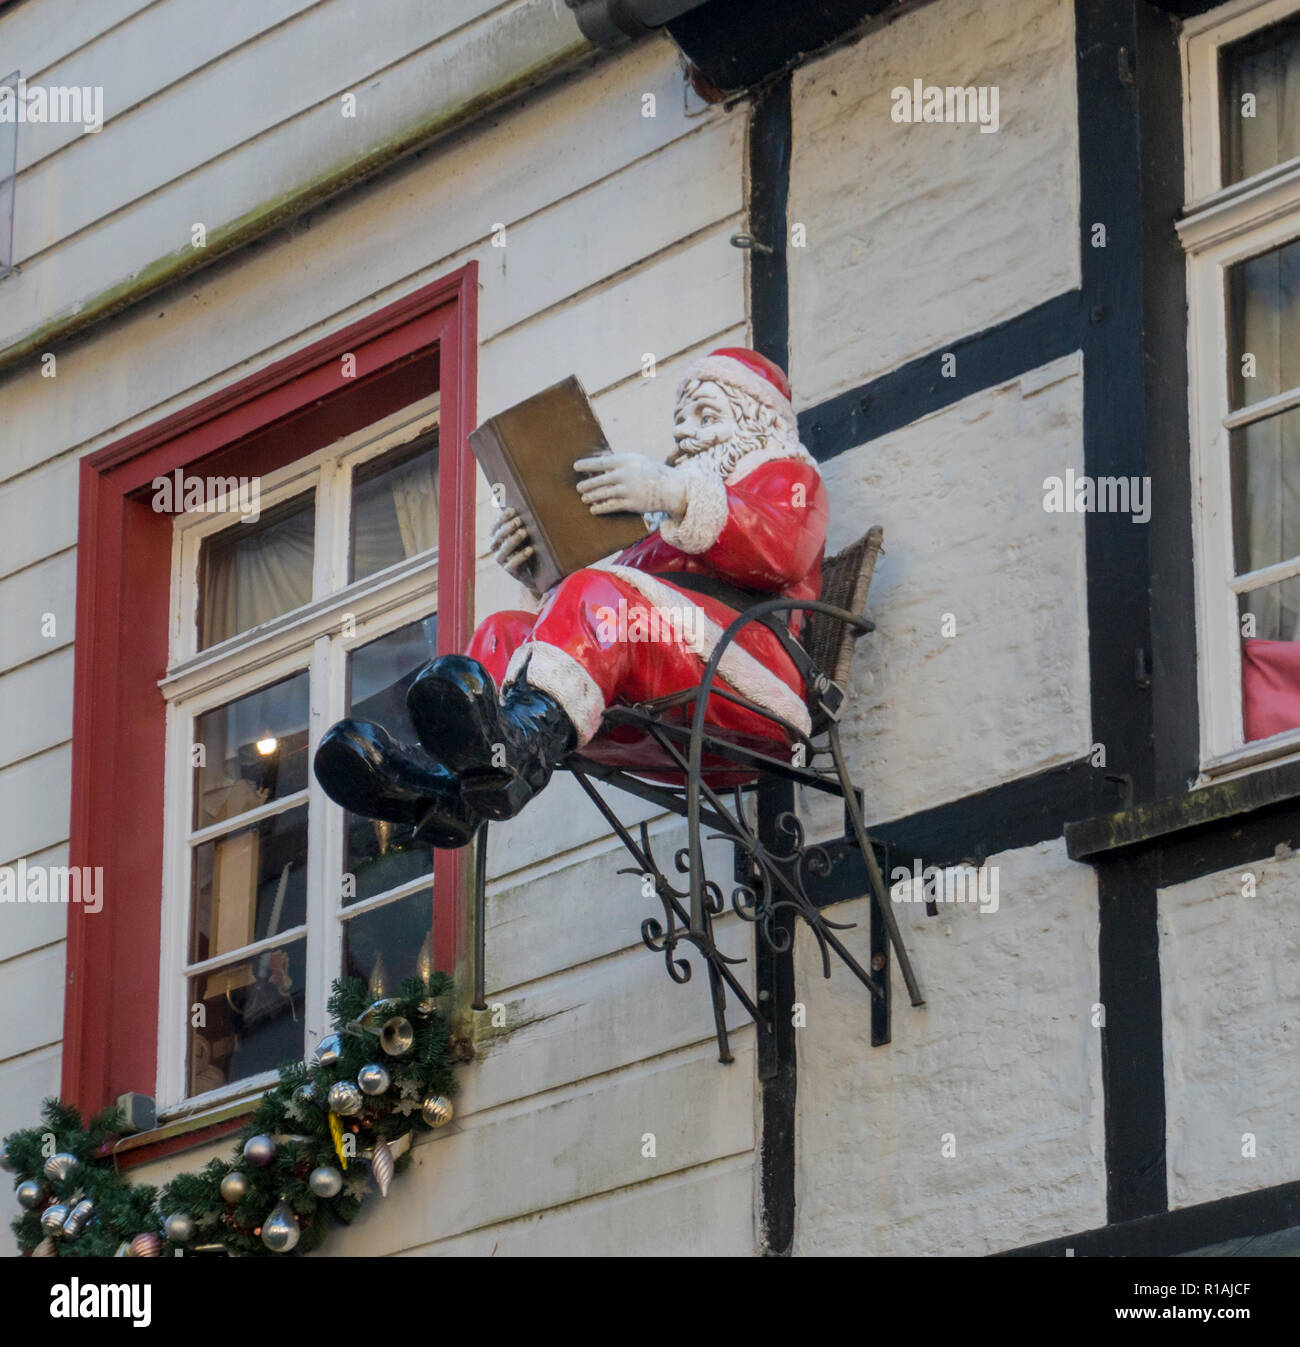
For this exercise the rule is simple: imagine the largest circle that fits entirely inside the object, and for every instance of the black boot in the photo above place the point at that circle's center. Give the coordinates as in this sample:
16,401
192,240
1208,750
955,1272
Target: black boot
503,751
363,768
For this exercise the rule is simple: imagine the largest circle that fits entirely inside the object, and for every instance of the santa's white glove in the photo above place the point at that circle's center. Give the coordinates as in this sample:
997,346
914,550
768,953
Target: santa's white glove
511,546
632,483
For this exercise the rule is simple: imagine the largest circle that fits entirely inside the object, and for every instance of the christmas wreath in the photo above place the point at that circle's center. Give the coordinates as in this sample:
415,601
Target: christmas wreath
318,1139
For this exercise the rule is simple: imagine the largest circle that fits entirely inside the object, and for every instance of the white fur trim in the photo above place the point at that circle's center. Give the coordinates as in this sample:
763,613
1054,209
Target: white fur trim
742,672
557,673
723,369
706,511
758,457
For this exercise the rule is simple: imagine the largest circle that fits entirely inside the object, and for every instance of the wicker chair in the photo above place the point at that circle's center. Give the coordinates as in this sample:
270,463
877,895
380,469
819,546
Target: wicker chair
846,581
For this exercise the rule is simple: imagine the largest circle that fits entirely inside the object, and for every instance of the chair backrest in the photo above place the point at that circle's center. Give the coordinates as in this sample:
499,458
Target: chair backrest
846,580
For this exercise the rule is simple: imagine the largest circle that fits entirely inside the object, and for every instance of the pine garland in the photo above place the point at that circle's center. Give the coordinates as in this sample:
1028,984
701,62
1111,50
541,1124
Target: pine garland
300,1128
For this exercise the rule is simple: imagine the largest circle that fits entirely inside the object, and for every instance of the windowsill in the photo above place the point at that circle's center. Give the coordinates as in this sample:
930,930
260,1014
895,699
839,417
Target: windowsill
1276,750
1108,835
141,1148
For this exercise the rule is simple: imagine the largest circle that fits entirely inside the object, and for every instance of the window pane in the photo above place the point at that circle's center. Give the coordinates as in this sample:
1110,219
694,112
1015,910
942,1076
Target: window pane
384,946
1264,325
1272,613
1266,491
1260,79
249,885
250,573
253,1017
394,507
254,750
378,855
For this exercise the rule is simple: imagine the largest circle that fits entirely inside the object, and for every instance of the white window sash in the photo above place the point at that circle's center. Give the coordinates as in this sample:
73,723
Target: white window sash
312,639
1220,228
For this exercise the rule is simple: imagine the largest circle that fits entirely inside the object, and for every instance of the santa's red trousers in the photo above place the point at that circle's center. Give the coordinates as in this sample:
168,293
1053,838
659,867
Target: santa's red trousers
575,619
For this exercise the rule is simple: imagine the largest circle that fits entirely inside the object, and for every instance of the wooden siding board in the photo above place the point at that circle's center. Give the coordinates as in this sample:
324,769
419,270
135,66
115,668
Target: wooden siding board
36,707
419,222
25,927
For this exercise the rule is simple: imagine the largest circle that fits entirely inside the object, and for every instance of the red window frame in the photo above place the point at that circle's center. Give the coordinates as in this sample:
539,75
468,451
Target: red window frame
300,404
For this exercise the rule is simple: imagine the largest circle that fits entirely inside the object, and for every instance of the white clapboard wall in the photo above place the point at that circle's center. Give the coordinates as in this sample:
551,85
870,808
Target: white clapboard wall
617,228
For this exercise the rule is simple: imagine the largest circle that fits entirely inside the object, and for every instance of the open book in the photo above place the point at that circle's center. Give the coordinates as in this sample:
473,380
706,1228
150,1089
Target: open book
527,453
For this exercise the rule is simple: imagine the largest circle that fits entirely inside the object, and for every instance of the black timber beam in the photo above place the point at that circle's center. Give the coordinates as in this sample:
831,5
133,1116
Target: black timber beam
736,44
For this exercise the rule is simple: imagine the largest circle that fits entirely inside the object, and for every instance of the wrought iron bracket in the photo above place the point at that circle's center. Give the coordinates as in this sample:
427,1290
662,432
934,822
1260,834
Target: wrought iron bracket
778,873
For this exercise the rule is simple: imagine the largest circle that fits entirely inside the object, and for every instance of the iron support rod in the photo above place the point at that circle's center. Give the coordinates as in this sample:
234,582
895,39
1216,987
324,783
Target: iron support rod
876,879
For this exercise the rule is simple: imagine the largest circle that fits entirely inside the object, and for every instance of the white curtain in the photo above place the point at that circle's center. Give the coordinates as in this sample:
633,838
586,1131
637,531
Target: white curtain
395,516
251,579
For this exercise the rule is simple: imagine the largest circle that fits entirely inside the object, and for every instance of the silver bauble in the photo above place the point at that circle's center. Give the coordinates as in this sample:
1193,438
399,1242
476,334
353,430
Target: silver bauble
436,1110
259,1151
280,1229
374,1078
52,1219
45,1249
29,1194
329,1050
325,1181
233,1187
146,1245
78,1217
344,1098
58,1167
6,1160
179,1228
306,1094
381,1166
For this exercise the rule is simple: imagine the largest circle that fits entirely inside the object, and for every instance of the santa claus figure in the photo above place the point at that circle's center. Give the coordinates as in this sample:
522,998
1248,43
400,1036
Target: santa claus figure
738,514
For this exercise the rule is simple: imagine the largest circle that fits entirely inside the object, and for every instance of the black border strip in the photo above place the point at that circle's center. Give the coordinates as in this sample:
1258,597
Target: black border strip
1015,814
983,360
1176,1232
1115,443
1132,1042
770,136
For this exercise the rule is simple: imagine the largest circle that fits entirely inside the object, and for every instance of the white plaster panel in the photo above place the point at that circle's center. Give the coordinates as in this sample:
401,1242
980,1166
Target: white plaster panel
1003,1057
934,717
1230,994
921,233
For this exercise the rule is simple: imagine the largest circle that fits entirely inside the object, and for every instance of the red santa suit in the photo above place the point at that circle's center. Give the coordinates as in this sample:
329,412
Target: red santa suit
627,631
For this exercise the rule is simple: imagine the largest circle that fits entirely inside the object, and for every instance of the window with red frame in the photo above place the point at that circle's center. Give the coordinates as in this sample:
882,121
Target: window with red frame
289,551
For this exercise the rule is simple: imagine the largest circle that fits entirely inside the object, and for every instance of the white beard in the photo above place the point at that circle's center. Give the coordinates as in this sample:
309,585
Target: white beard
716,458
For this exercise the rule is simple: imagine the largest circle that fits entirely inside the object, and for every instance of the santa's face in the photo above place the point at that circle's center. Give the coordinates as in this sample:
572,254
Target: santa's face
704,421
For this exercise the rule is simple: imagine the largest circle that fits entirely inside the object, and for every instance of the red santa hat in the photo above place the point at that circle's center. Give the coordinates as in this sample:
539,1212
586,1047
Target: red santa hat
739,367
